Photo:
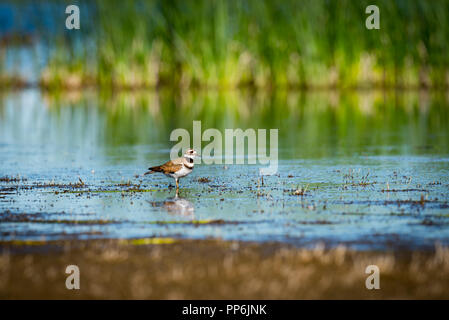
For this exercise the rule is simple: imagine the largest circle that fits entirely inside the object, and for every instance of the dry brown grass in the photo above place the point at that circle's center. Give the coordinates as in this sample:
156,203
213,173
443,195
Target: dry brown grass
111,269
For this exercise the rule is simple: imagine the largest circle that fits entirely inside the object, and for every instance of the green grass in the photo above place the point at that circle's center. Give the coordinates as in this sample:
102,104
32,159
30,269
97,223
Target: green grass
255,43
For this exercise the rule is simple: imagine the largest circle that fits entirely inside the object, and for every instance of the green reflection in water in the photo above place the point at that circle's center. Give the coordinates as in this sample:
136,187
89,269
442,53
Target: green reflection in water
316,124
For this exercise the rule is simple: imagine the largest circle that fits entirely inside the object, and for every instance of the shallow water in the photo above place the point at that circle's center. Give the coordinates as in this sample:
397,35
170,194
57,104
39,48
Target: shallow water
374,167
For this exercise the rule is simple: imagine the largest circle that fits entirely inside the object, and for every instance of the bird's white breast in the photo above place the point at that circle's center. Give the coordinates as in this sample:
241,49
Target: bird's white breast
181,173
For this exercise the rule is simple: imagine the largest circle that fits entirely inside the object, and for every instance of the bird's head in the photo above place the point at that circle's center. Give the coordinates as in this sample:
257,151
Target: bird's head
190,154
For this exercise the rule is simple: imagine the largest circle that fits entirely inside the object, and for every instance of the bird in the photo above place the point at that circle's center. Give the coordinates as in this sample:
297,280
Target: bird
177,168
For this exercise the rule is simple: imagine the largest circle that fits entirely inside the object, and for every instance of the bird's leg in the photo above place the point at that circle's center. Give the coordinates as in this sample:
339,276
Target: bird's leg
177,184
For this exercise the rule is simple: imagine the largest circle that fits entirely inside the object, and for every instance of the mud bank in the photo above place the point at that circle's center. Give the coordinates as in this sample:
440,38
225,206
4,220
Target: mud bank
165,268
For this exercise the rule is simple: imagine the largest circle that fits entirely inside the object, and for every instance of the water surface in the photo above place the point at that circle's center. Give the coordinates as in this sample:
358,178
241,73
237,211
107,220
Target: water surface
365,169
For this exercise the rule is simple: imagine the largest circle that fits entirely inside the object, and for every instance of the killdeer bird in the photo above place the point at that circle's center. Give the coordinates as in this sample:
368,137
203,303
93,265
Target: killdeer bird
176,168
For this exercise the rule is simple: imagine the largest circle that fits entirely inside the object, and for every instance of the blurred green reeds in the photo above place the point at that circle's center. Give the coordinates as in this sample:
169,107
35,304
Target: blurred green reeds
247,43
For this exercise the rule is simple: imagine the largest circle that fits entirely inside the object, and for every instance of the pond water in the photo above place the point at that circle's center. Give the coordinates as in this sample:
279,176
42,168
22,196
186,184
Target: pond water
367,169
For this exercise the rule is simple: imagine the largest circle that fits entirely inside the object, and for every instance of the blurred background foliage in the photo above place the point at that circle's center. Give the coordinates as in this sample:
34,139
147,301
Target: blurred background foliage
225,44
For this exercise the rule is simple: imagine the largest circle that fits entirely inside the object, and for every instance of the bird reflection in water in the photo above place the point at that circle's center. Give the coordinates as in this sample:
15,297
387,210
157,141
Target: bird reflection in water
177,206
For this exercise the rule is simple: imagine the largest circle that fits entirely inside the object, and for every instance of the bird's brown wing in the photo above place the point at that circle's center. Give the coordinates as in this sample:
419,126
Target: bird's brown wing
168,167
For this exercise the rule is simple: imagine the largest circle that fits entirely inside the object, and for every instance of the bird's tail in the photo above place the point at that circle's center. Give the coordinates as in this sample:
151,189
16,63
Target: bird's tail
152,170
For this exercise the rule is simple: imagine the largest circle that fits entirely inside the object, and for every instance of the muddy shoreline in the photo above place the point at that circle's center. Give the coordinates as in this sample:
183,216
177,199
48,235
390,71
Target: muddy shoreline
163,268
